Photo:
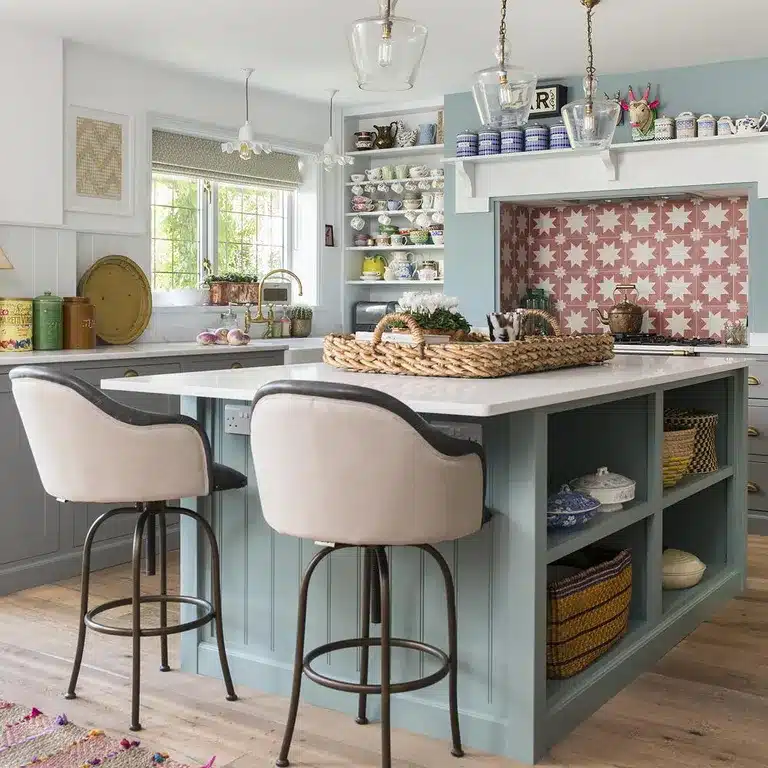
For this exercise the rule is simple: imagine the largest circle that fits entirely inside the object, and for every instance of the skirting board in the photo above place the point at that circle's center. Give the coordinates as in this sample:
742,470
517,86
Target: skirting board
60,566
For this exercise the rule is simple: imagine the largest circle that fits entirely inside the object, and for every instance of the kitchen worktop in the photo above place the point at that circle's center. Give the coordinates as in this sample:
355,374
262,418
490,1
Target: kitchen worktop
158,349
458,397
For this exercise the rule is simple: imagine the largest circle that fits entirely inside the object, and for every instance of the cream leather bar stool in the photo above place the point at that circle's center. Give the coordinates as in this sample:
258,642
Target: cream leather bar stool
89,448
424,487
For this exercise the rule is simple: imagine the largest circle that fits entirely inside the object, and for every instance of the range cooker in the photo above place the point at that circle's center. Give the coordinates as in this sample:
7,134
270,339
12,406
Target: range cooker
656,344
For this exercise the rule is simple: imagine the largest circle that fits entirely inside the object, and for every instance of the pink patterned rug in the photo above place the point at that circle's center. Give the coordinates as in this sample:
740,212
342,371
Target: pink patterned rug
31,739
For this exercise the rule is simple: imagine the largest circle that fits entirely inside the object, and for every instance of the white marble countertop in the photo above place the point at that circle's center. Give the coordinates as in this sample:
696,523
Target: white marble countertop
714,349
457,397
145,350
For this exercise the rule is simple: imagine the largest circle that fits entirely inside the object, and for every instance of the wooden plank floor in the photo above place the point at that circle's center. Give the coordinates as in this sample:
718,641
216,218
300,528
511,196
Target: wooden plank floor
703,705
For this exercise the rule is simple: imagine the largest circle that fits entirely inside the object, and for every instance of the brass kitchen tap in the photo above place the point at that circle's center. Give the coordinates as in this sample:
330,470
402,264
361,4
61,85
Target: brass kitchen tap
260,319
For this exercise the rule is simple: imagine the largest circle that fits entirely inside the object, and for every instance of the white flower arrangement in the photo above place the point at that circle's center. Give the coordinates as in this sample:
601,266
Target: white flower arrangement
428,303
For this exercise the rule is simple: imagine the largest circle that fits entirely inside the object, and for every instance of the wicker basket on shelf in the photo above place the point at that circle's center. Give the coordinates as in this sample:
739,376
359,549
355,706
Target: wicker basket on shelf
704,449
588,612
467,359
677,454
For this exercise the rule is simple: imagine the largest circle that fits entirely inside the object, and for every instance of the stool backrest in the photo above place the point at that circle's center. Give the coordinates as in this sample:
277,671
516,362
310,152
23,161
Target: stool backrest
89,448
351,465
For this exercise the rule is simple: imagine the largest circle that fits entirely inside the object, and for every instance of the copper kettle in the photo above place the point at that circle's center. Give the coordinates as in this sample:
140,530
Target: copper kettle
624,317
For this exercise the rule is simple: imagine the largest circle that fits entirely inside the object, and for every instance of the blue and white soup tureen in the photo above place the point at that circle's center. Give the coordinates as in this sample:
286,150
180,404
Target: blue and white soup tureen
609,488
568,508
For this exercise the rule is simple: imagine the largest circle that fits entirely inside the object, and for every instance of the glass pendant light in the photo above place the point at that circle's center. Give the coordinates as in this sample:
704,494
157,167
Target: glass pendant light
591,121
330,155
246,144
387,50
504,93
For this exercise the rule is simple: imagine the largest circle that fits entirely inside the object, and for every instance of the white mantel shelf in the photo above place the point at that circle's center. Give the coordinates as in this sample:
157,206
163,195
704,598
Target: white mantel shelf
636,167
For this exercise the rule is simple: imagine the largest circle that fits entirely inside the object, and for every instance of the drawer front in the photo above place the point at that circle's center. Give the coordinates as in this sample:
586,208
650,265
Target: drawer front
757,431
758,380
226,362
129,368
757,485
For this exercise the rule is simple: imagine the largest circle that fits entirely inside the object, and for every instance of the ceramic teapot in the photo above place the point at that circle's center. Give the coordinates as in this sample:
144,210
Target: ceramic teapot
745,124
374,263
386,135
624,317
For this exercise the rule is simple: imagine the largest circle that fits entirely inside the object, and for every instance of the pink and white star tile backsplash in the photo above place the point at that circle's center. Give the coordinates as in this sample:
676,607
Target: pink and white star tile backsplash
688,259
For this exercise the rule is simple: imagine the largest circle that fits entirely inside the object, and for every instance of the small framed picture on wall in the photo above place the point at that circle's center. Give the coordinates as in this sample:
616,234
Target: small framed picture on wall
329,241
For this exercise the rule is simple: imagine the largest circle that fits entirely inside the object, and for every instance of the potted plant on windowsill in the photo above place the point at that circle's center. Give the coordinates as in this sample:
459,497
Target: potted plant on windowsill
435,313
233,288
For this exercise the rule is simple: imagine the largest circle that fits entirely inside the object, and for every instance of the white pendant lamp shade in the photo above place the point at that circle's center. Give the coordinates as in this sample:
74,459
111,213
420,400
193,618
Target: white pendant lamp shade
246,145
330,157
387,50
591,121
504,92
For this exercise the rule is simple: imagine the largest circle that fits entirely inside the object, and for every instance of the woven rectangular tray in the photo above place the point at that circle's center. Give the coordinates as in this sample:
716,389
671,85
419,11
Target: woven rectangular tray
464,359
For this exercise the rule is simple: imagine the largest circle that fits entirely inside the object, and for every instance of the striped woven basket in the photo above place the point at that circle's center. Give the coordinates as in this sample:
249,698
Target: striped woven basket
587,613
677,454
704,448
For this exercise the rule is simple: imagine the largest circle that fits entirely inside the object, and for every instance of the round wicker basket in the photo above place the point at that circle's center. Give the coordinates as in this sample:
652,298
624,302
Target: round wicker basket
677,454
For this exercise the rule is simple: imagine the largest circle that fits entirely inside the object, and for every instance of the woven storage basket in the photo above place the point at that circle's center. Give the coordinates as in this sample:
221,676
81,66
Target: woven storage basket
588,613
705,423
469,360
677,454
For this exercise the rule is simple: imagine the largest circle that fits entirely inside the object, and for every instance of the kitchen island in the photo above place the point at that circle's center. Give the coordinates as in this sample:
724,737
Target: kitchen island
538,431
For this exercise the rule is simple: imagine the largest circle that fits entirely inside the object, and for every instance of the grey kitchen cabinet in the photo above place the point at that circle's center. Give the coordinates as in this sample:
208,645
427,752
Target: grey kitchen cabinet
40,538
29,525
757,446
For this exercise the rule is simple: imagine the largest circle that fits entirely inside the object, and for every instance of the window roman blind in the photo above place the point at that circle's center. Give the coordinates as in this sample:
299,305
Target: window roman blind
193,156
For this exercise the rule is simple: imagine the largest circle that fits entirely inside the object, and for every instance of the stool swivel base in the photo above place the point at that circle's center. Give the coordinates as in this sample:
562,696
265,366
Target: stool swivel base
375,607
209,612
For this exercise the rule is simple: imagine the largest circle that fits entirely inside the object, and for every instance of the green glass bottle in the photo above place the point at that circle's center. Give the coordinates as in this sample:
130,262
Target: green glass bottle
47,322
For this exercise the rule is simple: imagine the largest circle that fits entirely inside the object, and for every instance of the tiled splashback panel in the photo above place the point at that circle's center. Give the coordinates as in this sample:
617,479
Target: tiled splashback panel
688,259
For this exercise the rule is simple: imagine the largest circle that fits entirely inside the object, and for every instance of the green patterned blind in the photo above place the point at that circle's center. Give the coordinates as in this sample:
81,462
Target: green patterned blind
190,155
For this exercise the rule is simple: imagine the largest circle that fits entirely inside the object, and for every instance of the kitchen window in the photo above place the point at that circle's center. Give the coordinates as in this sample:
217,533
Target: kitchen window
240,228
214,211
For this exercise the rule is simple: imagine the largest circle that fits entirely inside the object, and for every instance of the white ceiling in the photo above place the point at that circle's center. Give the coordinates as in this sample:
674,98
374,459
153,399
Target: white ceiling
299,46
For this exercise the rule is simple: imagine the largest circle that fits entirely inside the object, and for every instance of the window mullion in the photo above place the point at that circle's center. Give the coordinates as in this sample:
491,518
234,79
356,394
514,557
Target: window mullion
213,227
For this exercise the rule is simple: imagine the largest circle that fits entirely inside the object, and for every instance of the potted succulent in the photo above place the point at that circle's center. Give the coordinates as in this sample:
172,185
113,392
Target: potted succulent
300,316
435,313
232,287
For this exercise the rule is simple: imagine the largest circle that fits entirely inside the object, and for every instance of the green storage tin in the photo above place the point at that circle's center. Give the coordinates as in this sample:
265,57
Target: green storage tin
47,322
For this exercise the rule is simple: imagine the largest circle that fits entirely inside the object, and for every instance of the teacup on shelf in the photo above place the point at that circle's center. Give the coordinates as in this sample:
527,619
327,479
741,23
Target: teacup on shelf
357,177
373,174
418,171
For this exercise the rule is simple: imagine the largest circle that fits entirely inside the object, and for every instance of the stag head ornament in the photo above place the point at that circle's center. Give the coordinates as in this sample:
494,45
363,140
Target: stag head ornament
642,114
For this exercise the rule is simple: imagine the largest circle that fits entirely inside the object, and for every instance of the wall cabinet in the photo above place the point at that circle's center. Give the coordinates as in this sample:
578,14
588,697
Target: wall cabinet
40,538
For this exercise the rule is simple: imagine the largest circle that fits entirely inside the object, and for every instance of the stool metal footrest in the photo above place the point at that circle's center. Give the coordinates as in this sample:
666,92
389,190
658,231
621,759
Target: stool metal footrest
375,642
111,629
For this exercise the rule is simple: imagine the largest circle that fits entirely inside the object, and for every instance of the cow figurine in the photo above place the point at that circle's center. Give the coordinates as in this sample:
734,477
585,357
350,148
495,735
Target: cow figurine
642,114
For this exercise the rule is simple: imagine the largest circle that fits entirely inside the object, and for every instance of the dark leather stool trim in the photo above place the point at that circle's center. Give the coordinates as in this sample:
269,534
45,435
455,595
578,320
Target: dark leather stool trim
227,479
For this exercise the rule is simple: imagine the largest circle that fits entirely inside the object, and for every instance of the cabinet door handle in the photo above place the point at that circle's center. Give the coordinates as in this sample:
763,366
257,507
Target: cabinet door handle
753,487
236,365
753,381
753,432
130,373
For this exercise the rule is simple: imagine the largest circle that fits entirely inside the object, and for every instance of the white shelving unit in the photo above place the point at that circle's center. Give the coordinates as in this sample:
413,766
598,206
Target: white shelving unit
354,289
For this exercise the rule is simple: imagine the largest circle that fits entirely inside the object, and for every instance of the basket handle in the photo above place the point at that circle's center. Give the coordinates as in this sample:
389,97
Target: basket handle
417,334
551,319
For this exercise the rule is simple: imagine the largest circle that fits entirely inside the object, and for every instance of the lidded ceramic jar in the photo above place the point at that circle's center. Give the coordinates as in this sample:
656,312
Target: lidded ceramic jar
79,323
685,125
680,570
569,508
609,488
664,128
47,322
707,126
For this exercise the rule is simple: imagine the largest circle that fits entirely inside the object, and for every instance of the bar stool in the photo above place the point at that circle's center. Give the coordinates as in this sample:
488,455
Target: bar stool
89,448
424,487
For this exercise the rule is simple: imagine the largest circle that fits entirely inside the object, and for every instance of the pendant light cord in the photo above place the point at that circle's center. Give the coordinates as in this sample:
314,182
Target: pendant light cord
503,34
248,73
330,114
386,32
590,49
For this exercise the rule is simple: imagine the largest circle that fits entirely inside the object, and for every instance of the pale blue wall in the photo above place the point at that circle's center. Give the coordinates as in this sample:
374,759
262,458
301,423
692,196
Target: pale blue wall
731,88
